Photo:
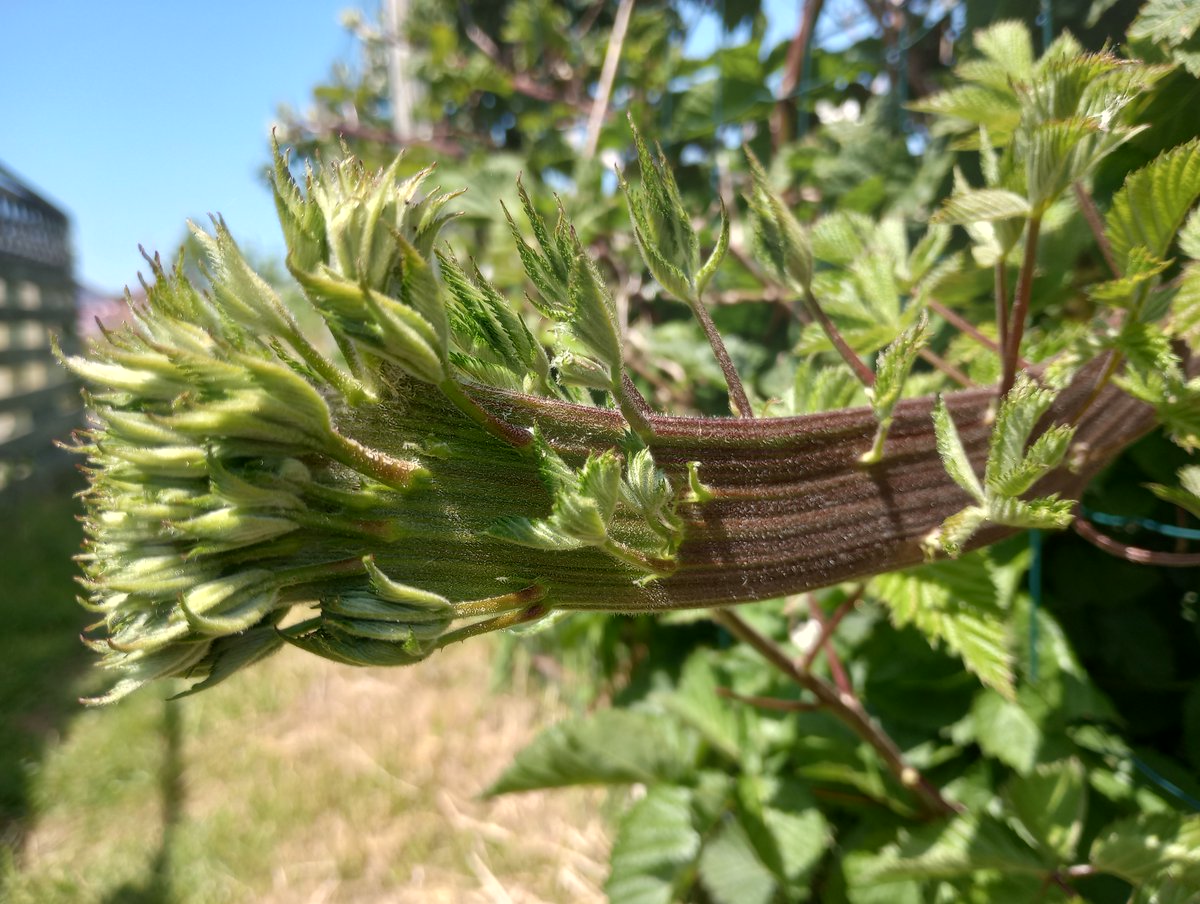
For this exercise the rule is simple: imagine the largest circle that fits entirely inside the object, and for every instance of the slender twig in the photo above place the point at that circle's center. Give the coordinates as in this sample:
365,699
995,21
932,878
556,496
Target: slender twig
967,328
836,670
946,367
1020,308
1115,357
846,708
782,125
635,408
521,82
775,703
828,626
1088,208
738,400
865,375
1134,553
608,74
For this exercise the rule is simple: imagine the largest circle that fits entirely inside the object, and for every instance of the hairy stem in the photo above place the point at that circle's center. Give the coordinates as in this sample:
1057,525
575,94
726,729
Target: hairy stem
846,708
738,402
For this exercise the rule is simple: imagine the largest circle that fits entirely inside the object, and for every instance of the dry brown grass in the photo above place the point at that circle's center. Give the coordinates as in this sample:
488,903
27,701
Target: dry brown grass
305,781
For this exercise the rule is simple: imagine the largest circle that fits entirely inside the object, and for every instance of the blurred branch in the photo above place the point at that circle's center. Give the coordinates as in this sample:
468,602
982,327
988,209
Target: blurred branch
783,117
608,74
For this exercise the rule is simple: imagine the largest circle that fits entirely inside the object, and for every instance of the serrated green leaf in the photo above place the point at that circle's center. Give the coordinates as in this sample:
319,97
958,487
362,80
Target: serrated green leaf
1186,495
1009,44
954,456
538,534
891,372
1005,731
1051,803
981,205
955,603
1150,207
1170,21
731,870
655,848
1150,847
609,747
1046,454
968,844
779,241
1020,410
696,703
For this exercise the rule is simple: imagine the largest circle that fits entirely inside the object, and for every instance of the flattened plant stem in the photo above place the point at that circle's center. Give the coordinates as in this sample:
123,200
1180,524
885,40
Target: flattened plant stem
738,401
865,375
845,708
1020,309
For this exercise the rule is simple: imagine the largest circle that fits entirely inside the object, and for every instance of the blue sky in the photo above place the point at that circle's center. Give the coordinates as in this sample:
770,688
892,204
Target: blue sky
135,115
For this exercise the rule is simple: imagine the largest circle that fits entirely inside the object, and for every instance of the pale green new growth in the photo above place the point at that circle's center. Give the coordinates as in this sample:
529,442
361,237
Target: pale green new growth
891,371
1013,467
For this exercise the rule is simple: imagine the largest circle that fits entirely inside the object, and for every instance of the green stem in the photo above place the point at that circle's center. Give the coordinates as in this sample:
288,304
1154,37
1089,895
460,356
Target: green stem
394,472
351,389
518,437
499,623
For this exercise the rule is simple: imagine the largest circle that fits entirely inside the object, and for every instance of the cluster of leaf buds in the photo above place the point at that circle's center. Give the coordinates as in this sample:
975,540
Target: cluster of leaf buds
238,473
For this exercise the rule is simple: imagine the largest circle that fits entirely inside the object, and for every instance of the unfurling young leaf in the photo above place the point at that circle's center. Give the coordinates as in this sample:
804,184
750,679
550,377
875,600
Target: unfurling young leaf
1012,469
891,371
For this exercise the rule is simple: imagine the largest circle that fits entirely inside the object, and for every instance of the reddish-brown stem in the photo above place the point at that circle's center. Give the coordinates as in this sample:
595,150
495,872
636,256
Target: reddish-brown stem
784,114
1096,223
946,367
837,670
1000,290
865,375
1020,308
846,708
967,328
774,703
738,401
829,625
1133,553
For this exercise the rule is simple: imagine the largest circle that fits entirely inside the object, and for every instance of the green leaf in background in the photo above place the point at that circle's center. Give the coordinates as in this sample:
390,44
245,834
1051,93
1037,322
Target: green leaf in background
655,848
1151,205
1005,731
981,205
1151,847
731,870
617,746
955,603
967,844
1051,803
